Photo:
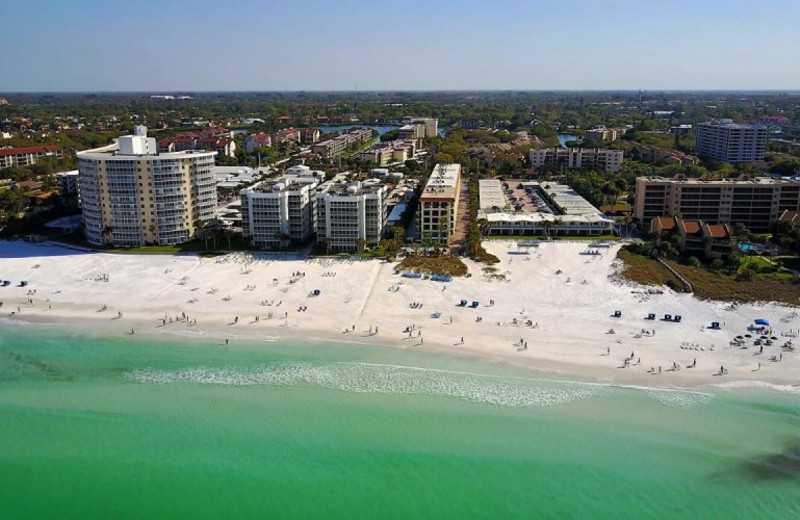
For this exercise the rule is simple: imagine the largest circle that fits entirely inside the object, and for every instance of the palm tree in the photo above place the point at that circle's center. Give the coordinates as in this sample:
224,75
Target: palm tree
557,223
361,244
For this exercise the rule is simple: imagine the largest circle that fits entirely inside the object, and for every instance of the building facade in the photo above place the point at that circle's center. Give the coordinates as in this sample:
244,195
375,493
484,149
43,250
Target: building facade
570,158
27,156
728,141
348,212
278,212
602,133
69,188
756,203
439,201
131,195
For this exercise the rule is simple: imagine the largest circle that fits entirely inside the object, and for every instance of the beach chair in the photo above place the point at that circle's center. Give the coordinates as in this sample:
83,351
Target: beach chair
617,314
651,316
474,305
677,318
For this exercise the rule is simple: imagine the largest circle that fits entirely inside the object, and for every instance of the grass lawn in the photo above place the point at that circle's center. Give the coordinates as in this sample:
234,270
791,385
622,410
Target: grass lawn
433,265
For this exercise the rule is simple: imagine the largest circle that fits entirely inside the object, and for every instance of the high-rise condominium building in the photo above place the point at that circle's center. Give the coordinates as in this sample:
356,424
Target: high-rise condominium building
728,141
277,212
755,203
439,203
131,195
348,211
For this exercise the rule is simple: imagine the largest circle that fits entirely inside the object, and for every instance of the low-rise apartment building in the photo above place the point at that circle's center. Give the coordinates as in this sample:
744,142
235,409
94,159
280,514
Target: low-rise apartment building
439,201
253,141
332,149
602,133
571,158
349,212
28,155
278,212
550,209
383,154
696,236
756,203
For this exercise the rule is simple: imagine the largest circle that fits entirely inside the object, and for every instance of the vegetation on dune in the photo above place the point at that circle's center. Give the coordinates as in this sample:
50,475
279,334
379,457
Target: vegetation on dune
433,265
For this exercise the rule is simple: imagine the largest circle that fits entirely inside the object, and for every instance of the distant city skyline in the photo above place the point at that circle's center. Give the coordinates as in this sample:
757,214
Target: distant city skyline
173,46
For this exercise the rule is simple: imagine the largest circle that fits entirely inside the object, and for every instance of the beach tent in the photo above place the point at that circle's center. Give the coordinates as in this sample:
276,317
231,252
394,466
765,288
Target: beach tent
761,321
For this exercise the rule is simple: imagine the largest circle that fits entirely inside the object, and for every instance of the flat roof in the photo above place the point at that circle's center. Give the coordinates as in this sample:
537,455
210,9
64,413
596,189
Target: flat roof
109,152
443,182
491,194
722,182
572,206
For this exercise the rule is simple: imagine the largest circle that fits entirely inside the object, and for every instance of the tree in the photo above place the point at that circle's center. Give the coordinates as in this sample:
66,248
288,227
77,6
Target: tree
361,244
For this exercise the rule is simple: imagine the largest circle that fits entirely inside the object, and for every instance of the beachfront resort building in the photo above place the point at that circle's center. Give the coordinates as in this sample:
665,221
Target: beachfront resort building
533,208
727,141
438,203
278,212
572,158
756,202
350,214
131,195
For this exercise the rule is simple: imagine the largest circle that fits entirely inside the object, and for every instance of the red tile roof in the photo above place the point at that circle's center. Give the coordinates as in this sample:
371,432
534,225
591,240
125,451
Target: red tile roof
29,149
666,223
717,231
691,226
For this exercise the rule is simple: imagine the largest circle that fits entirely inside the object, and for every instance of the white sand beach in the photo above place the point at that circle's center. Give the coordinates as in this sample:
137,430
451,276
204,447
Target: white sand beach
557,301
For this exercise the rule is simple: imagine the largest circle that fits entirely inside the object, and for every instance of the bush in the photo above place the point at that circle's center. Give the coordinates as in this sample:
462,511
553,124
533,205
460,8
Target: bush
746,275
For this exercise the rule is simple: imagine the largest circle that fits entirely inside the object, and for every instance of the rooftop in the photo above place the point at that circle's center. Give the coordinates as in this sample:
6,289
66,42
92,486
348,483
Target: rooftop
443,182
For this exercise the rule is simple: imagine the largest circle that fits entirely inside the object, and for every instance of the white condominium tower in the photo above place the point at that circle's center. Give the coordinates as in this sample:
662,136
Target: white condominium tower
280,211
728,141
348,211
131,195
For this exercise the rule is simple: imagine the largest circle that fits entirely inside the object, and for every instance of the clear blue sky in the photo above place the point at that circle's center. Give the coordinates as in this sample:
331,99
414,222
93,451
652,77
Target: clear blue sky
171,45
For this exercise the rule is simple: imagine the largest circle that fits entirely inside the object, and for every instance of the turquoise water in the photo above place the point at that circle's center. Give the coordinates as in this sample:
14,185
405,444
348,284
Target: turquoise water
143,428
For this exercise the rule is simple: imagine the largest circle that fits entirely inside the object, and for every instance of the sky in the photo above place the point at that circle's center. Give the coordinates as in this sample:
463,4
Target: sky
269,45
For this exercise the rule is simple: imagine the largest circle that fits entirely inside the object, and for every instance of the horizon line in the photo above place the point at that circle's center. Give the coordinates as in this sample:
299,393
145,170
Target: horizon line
399,91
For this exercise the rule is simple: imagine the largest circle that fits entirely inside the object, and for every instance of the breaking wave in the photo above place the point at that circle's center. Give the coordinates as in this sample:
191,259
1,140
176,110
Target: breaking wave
381,379
678,398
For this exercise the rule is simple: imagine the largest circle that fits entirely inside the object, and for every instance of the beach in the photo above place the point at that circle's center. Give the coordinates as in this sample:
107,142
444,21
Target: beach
549,308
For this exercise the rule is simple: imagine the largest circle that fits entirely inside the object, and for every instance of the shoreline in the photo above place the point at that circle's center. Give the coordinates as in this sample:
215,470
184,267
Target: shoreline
572,318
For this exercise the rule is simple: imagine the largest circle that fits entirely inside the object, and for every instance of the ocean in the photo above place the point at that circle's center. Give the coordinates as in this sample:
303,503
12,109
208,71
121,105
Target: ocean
140,427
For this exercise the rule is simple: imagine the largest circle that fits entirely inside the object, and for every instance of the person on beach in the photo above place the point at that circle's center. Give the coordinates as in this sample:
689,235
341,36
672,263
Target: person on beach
226,341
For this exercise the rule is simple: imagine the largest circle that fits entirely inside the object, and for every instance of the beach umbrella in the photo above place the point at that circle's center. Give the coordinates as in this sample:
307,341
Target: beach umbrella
761,321
748,336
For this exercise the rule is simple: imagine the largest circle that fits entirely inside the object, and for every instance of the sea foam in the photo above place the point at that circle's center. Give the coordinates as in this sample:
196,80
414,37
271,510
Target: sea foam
381,379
